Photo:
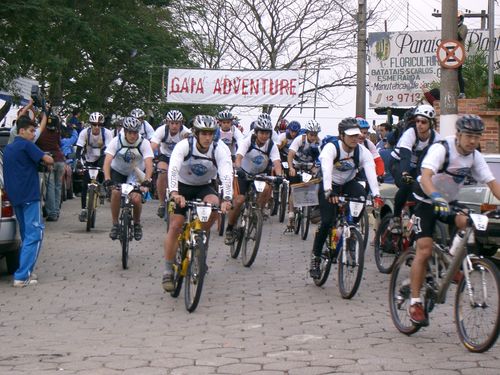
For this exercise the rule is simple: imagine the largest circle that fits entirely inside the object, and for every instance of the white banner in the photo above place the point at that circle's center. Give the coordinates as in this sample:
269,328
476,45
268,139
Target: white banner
233,87
401,62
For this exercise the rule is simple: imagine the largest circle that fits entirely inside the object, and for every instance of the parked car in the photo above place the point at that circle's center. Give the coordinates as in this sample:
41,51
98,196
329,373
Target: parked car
9,237
475,196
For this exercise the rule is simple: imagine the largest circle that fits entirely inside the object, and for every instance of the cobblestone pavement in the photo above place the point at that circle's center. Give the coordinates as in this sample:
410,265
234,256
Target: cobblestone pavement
89,316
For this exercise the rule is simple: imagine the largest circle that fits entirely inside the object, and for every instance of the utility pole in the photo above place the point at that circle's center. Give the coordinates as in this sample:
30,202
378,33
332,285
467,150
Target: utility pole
491,49
361,66
449,77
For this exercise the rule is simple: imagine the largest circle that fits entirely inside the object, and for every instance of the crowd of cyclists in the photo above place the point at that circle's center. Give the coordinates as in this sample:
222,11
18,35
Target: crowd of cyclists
190,162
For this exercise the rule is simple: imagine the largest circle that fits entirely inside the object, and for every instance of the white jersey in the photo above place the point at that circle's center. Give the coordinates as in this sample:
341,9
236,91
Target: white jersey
411,142
94,144
231,138
302,148
191,167
168,143
345,168
256,158
147,131
449,181
126,156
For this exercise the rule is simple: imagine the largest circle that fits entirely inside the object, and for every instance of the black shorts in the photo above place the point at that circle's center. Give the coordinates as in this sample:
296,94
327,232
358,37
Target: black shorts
425,219
295,179
192,192
164,158
118,178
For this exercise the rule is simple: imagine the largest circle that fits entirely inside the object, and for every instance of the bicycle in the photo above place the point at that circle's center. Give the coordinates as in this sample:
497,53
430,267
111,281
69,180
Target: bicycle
126,220
302,213
248,228
93,194
476,309
388,246
284,191
344,245
190,259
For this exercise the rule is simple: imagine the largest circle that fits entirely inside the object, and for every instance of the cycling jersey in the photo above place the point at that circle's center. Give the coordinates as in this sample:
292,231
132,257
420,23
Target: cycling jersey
167,141
345,168
147,131
191,167
282,138
127,156
448,181
304,150
256,159
412,143
94,144
231,138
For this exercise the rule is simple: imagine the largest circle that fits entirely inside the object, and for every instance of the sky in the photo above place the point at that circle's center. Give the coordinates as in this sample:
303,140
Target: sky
401,15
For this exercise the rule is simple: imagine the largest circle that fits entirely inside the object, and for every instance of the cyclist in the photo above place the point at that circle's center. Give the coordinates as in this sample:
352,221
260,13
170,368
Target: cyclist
256,154
286,138
93,141
364,127
194,163
444,169
304,149
124,154
164,139
227,132
146,131
282,126
340,161
411,147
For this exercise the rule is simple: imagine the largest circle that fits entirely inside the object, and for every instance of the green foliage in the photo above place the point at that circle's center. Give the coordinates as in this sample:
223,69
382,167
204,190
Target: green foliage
106,55
475,73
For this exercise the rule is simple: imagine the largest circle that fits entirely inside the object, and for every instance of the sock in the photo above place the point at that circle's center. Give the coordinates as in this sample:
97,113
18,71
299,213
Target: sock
415,300
168,266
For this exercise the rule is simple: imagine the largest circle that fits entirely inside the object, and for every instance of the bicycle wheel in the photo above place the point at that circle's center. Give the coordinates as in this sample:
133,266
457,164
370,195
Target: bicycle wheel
91,197
195,273
304,225
283,202
297,220
222,223
400,293
477,310
180,258
251,241
125,238
351,263
364,227
386,246
239,232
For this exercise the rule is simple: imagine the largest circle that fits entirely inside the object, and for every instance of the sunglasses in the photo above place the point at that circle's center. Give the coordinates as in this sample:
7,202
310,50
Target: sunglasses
423,121
94,124
314,134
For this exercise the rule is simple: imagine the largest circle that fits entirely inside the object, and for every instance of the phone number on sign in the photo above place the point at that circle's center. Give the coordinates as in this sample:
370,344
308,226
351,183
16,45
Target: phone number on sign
405,98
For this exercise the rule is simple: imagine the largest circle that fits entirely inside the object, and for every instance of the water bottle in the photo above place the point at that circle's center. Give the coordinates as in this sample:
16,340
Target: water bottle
456,242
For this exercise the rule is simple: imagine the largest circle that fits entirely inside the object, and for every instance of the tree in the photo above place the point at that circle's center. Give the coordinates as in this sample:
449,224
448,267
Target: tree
272,34
96,54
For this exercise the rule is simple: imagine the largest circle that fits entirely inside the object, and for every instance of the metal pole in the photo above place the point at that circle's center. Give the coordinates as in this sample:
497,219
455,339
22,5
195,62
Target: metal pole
361,66
449,77
316,90
491,46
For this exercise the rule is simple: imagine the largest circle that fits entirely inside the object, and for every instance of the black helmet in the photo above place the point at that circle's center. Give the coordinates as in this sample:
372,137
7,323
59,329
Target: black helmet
470,124
349,126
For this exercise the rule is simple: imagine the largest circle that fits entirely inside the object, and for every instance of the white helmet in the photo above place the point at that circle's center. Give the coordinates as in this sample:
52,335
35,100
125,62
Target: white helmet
137,113
425,110
131,124
174,115
96,118
313,126
264,122
204,123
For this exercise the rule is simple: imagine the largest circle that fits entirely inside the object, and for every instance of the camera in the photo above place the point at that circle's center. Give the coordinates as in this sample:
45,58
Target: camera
37,96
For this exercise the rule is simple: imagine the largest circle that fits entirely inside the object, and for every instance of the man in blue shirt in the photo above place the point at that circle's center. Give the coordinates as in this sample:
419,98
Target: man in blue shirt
20,171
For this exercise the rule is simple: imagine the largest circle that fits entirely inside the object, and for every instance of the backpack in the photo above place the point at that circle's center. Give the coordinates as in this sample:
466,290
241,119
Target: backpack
403,125
103,132
444,168
138,147
190,152
253,146
334,139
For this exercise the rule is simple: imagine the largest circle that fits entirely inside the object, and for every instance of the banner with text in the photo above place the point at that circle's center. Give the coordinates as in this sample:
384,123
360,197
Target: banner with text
401,63
233,87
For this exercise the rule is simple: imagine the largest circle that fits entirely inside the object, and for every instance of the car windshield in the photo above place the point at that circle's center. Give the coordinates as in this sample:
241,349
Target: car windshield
495,168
